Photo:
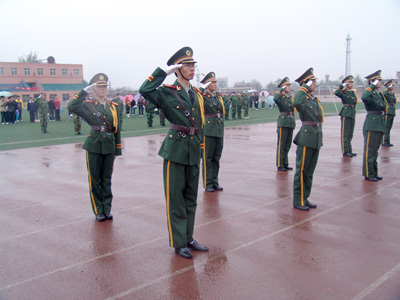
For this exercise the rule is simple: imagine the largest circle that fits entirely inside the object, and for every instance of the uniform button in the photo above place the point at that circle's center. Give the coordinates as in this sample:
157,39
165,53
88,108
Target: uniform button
208,122
170,136
192,118
191,138
305,130
104,123
177,107
193,108
104,136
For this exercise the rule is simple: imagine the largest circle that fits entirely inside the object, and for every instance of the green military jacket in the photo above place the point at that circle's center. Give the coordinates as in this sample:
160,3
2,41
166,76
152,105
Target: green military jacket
176,147
120,108
309,111
95,114
374,101
213,105
245,100
234,100
43,106
349,98
391,101
239,100
285,105
227,102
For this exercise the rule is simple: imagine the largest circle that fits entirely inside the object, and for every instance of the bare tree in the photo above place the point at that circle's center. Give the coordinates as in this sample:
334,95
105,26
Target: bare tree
31,57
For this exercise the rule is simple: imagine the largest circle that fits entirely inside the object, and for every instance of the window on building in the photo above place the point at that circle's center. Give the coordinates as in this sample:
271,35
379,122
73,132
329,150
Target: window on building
14,71
40,72
65,97
1,71
76,72
53,96
64,72
25,98
53,72
27,71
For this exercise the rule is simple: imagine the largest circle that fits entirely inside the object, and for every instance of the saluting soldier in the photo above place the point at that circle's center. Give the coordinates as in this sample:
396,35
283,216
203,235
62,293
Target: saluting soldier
347,114
374,126
227,104
103,143
246,102
43,106
213,133
182,105
308,139
286,124
391,111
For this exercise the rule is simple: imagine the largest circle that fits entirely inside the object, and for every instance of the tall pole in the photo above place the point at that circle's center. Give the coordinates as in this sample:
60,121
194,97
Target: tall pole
348,62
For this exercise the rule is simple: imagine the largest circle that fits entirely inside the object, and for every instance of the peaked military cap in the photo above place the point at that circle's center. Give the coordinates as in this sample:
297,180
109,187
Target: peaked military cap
100,79
308,75
389,83
373,76
348,79
182,56
209,77
284,81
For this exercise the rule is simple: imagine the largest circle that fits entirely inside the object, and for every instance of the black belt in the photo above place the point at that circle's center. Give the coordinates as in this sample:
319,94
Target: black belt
101,128
309,123
218,115
350,105
184,129
287,113
375,112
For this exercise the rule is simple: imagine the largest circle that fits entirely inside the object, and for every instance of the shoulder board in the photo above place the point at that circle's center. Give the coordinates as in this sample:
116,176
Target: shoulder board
112,102
304,90
278,92
170,86
197,90
90,101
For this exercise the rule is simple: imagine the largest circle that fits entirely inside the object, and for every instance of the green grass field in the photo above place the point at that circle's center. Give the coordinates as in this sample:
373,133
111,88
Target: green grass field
25,134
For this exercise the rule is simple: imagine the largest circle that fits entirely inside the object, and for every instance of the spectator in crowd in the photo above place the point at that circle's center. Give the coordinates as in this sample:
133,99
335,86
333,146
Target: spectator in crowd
19,105
127,107
31,109
11,107
52,109
57,109
140,104
133,107
3,110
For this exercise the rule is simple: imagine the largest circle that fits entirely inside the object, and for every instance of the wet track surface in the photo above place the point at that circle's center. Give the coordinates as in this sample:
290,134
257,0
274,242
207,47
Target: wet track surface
260,247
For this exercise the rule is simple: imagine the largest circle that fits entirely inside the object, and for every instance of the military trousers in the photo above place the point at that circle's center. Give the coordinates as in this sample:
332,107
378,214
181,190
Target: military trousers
246,111
389,125
100,169
285,136
226,113
346,134
77,123
306,161
212,153
372,142
239,111
43,122
180,187
234,107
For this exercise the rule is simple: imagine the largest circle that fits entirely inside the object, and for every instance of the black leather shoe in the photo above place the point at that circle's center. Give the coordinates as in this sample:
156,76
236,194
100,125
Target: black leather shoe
288,168
305,207
218,188
347,154
311,205
282,169
385,145
196,246
371,179
354,154
108,216
184,252
209,190
378,177
390,145
100,217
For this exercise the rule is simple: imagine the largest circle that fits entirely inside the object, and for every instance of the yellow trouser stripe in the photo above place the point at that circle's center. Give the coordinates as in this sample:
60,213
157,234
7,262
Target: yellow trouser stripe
343,134
366,155
90,183
167,196
204,163
301,176
279,147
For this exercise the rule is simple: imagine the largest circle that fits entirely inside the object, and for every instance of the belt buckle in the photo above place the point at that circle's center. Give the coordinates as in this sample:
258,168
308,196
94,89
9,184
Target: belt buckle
318,124
191,130
102,129
219,115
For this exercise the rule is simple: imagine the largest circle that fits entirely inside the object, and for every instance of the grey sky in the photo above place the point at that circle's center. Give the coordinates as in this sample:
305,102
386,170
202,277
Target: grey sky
242,40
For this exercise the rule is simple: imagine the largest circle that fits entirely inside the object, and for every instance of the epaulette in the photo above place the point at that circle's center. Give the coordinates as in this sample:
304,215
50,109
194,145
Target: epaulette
278,92
369,89
112,102
170,86
304,89
91,101
197,90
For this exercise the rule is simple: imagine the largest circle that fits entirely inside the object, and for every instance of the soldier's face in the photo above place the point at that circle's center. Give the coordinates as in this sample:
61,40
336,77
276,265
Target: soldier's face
350,85
100,91
212,86
287,89
379,84
313,86
188,70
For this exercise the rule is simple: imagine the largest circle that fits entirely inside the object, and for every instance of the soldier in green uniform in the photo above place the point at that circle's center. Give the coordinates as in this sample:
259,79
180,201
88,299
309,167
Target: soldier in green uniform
213,133
347,114
374,126
239,105
234,105
43,106
227,104
182,105
246,104
120,109
286,124
391,111
162,117
308,139
150,113
103,143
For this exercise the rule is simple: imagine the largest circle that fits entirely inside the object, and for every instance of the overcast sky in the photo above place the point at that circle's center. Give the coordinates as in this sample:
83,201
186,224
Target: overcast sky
238,39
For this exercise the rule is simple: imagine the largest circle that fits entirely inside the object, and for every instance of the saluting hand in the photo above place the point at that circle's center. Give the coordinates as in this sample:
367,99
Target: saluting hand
375,82
90,88
171,69
309,83
345,84
204,86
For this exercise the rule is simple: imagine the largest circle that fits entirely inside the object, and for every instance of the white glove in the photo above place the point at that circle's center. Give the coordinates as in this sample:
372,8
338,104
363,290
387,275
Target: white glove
90,88
204,86
171,69
40,96
309,83
390,86
283,87
375,82
345,84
